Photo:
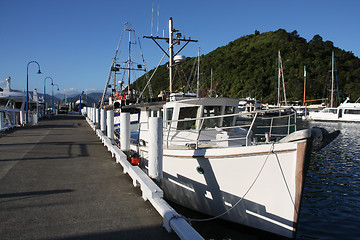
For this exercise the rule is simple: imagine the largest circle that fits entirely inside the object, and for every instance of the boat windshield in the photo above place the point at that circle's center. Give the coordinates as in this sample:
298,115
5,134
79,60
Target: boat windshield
211,111
332,110
187,113
228,121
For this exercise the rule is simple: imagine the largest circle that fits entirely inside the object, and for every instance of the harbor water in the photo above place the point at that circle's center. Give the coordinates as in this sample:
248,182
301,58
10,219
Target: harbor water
331,204
331,200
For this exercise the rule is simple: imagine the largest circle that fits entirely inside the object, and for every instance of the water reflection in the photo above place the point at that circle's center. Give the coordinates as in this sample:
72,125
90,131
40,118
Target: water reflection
331,205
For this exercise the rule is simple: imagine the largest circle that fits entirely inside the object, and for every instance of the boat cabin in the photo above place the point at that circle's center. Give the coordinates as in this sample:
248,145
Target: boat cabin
196,122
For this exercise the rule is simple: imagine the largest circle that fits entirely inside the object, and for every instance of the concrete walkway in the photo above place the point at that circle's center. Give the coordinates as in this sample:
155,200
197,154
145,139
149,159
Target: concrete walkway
57,181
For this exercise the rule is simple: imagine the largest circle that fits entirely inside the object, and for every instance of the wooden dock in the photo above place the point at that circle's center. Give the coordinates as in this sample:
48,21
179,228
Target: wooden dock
57,181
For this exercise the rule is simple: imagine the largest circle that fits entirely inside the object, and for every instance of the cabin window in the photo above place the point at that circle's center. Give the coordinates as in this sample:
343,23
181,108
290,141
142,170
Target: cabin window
211,111
187,113
351,111
334,111
228,121
154,113
169,113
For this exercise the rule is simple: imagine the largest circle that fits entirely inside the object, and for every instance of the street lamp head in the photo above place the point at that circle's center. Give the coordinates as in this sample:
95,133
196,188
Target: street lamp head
39,72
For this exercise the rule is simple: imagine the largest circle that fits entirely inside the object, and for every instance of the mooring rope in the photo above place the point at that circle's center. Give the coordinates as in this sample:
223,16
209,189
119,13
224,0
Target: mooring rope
287,186
242,198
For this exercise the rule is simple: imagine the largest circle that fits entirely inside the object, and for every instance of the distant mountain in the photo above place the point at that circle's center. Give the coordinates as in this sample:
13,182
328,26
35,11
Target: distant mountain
247,66
91,98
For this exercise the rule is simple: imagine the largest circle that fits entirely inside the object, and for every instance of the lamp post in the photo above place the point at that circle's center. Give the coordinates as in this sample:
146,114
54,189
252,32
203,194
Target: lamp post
52,81
52,91
27,88
58,88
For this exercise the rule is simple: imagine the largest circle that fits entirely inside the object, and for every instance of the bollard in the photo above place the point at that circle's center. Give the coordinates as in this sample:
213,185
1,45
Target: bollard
13,118
97,117
84,111
125,132
103,120
110,124
155,148
2,124
21,117
93,115
34,118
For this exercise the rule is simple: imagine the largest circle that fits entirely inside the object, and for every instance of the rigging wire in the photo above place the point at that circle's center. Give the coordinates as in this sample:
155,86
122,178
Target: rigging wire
242,198
148,82
250,187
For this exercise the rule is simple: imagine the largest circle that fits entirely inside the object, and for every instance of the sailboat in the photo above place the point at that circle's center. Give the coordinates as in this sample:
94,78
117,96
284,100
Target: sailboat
248,173
345,112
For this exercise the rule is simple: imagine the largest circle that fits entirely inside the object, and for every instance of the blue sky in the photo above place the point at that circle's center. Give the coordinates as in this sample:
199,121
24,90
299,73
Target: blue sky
74,41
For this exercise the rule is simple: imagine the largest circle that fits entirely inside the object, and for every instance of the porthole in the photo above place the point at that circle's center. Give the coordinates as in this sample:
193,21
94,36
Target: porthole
200,170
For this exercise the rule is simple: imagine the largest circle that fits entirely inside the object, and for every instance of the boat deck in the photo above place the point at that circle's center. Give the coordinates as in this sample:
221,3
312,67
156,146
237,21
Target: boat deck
57,181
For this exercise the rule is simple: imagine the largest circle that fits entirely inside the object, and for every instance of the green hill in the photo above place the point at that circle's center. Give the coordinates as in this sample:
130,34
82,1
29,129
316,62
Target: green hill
248,67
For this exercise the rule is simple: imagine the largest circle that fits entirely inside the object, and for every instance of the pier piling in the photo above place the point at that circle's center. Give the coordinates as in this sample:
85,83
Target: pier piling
155,149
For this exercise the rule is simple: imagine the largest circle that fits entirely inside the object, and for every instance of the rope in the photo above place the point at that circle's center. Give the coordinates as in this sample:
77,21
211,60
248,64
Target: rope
287,186
242,198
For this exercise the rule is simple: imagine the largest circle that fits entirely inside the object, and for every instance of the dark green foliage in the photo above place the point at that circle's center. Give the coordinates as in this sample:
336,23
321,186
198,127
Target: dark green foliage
248,67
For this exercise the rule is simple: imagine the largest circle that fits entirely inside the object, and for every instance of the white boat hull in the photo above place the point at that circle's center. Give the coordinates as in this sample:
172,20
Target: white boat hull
263,187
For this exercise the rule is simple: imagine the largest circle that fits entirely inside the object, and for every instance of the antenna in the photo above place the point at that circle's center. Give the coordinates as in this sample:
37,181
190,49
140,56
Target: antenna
171,41
152,18
157,27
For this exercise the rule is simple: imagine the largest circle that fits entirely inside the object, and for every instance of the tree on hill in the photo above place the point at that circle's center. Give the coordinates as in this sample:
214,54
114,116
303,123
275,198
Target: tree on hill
247,66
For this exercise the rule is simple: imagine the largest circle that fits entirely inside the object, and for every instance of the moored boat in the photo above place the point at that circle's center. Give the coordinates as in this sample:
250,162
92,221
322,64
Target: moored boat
251,173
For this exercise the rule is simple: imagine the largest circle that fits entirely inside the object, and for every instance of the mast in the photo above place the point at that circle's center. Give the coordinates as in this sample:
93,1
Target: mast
279,79
112,68
171,42
171,53
198,75
304,101
129,59
211,80
332,79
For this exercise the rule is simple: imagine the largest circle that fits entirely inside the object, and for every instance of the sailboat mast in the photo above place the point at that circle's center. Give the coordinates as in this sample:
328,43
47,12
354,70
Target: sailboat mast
332,79
304,101
198,75
279,79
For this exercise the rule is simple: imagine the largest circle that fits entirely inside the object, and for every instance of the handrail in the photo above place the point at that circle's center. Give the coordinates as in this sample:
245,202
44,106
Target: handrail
199,137
251,126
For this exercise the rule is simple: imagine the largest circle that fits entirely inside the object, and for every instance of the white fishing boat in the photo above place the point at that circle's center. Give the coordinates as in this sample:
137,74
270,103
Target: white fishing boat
251,173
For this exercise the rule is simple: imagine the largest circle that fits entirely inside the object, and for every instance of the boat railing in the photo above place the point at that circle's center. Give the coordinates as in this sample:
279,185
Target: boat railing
228,130
9,118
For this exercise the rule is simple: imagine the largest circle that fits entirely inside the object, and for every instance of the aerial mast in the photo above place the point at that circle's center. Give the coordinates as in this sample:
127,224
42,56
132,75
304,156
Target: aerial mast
171,53
171,42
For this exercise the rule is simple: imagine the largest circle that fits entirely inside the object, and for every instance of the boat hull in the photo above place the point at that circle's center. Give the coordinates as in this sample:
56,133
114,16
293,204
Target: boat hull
257,186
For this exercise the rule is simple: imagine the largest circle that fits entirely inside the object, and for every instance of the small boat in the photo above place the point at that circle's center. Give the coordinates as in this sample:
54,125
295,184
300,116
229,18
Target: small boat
251,173
346,112
12,103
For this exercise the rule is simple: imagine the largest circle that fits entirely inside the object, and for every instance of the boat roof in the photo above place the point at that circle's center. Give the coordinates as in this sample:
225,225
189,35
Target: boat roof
217,101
